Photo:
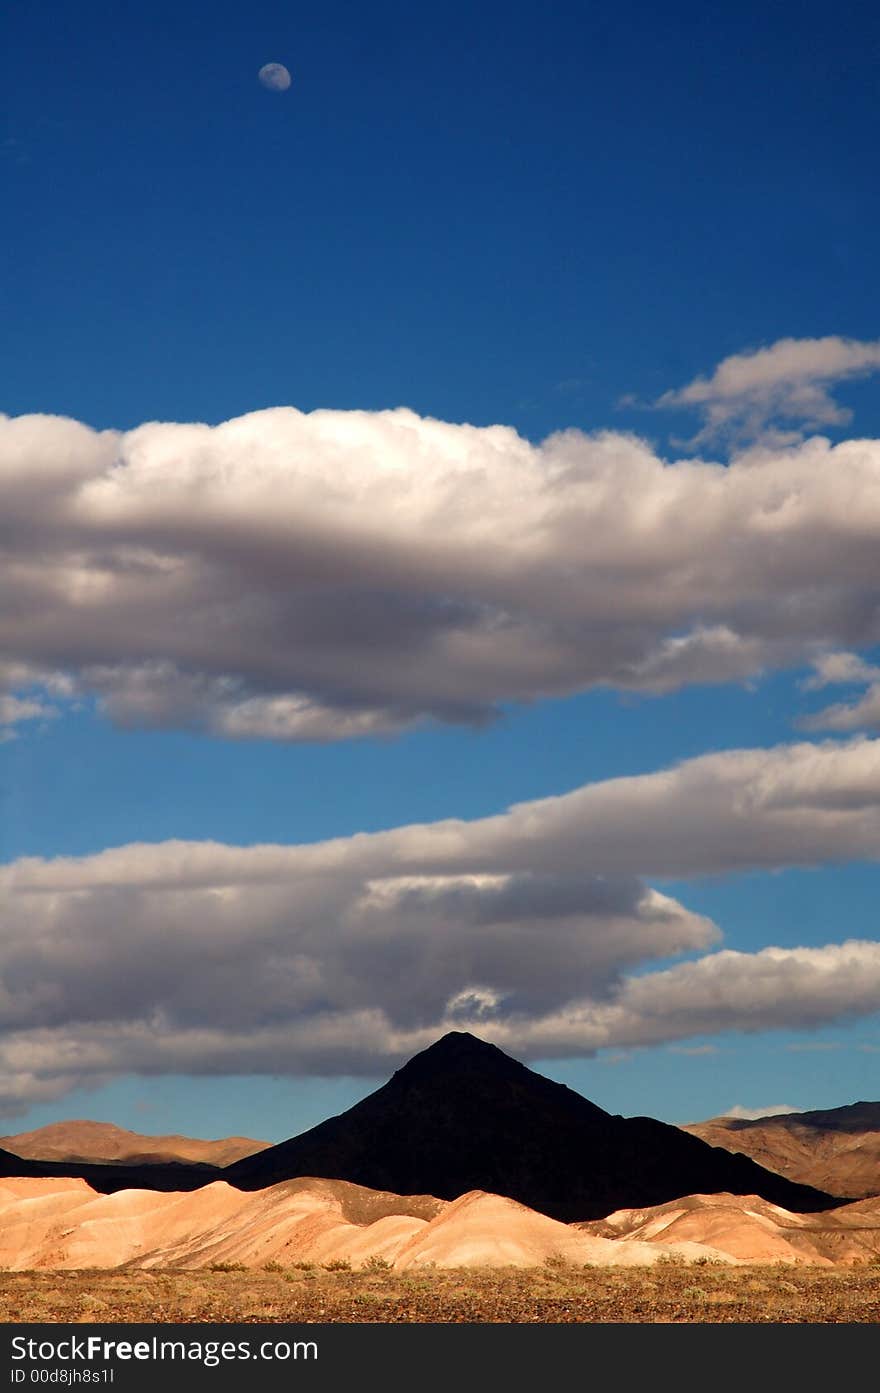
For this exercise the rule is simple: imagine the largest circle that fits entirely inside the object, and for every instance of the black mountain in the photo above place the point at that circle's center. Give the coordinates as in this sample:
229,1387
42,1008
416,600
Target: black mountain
462,1115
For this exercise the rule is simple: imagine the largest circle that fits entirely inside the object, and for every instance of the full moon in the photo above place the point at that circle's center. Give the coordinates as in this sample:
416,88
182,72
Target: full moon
274,76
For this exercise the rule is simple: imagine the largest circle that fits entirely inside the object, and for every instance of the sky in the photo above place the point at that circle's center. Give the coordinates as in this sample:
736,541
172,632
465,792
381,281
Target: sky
439,519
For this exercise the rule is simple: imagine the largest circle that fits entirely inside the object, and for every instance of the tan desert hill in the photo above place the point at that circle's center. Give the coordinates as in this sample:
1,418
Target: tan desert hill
837,1150
63,1224
79,1140
750,1229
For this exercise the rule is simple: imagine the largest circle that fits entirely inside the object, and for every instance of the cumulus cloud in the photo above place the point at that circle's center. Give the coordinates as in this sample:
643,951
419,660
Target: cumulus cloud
536,928
789,382
330,575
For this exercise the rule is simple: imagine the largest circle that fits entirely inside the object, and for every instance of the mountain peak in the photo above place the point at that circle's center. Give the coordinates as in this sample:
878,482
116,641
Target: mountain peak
461,1055
462,1115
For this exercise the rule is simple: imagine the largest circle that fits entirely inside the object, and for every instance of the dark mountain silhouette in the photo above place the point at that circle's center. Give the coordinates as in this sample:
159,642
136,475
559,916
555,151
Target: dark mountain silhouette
110,1177
462,1115
10,1164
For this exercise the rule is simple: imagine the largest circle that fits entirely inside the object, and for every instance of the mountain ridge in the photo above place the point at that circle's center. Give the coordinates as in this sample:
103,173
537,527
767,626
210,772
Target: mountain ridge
103,1143
462,1115
837,1147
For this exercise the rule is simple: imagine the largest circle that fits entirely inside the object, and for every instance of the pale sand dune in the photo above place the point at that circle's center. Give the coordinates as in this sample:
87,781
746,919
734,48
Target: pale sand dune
479,1229
64,1224
16,1186
751,1229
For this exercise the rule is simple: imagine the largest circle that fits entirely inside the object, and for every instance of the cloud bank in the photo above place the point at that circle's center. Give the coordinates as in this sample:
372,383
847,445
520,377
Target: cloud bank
339,574
535,928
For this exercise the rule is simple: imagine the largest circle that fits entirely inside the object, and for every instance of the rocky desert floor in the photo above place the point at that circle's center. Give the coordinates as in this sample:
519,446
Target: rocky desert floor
671,1291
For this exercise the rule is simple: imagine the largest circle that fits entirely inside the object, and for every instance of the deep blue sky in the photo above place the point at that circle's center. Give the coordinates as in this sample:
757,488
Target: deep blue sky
510,213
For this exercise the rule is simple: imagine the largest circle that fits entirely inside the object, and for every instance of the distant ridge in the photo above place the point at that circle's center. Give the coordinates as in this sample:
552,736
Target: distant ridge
102,1143
462,1115
834,1148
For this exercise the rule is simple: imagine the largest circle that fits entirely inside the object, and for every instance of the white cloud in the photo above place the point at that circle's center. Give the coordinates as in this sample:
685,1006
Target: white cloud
535,928
839,669
845,717
14,710
752,1114
793,988
787,382
844,669
316,577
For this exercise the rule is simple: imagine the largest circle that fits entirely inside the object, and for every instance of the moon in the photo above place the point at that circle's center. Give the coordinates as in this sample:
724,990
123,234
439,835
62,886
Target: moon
275,77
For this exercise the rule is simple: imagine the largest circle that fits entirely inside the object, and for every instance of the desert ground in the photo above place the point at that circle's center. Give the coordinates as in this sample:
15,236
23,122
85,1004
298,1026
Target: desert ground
671,1291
